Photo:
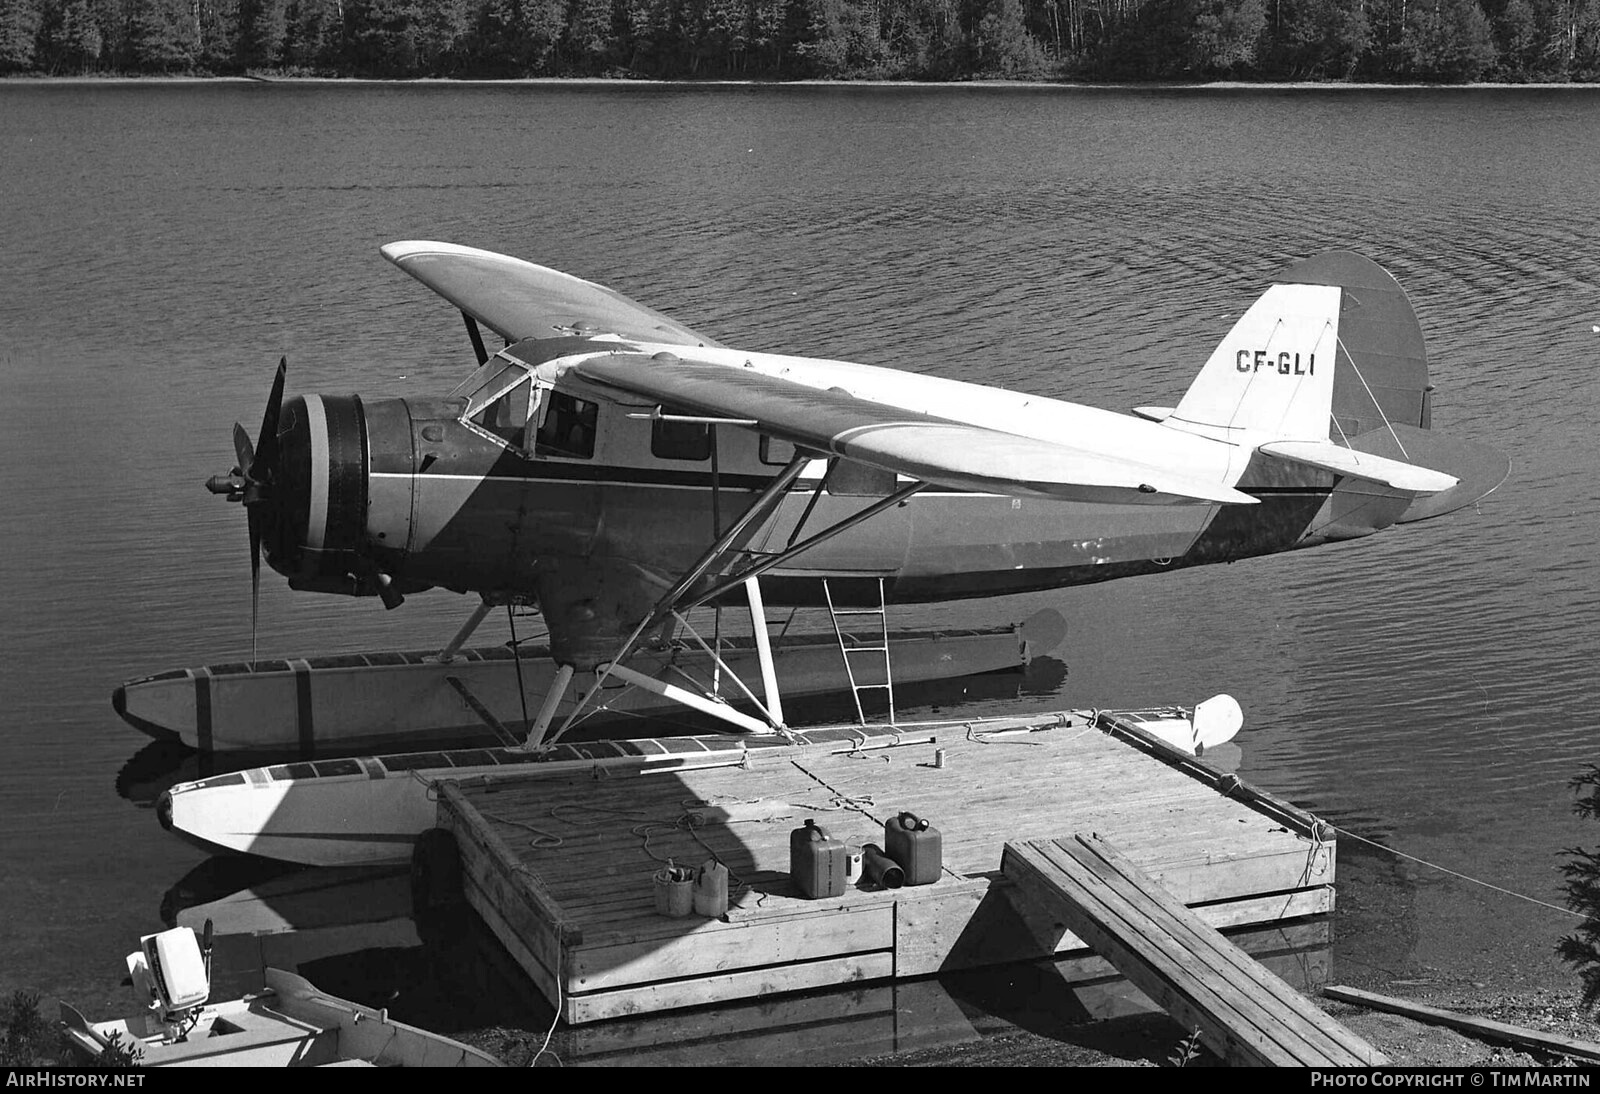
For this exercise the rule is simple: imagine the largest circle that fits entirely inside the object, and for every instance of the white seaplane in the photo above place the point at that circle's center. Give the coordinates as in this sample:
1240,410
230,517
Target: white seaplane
616,469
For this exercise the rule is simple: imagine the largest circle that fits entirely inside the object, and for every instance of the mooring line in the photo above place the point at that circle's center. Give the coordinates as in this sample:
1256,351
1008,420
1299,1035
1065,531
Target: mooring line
1455,873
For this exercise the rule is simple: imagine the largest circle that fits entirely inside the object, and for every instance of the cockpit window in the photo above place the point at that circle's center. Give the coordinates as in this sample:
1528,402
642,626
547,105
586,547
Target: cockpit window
480,376
568,427
499,382
501,400
507,416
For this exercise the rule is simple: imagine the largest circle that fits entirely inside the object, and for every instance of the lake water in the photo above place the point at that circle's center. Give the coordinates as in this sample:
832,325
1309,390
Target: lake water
1431,690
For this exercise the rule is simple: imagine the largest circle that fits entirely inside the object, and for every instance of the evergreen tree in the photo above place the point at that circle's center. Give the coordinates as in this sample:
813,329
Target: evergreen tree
589,38
19,32
1004,46
216,34
1225,34
263,30
313,34
1582,948
509,38
823,47
1315,39
158,36
70,39
1448,40
1569,34
766,21
401,37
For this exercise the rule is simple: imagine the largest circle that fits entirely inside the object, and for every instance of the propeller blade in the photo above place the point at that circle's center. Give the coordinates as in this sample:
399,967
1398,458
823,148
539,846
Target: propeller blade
254,516
242,451
266,456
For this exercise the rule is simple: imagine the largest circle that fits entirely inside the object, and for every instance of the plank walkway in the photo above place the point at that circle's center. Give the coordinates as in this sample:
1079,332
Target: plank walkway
559,864
1244,1013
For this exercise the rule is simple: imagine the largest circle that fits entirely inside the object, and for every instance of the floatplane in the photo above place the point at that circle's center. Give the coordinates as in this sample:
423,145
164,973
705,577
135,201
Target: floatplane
614,470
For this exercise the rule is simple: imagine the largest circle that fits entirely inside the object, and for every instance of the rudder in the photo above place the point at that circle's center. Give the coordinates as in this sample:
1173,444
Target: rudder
1331,351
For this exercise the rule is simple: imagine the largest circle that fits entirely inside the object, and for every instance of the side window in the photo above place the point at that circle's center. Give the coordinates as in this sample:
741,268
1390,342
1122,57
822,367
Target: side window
507,416
680,440
776,451
568,427
857,480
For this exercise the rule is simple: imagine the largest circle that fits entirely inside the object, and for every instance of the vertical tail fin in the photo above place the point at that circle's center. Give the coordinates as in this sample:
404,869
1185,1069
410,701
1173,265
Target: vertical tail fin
1331,351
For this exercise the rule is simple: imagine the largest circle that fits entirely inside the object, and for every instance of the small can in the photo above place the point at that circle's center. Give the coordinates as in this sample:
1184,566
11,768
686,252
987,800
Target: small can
938,757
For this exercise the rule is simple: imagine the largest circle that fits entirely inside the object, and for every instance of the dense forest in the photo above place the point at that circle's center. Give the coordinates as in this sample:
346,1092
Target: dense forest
1125,40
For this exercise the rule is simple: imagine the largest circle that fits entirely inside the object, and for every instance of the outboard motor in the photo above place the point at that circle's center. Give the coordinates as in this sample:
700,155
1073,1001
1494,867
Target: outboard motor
171,972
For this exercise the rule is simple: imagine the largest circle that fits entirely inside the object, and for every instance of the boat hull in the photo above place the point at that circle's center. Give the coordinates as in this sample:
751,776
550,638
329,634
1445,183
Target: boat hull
370,810
289,1024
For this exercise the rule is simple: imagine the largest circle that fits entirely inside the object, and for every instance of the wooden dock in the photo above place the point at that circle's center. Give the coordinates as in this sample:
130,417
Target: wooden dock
560,863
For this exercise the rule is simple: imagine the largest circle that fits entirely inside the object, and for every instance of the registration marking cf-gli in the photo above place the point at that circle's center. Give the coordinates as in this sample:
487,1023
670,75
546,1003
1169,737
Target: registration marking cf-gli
1285,364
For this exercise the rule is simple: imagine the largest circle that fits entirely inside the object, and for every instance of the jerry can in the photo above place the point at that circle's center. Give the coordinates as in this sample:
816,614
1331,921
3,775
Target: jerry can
816,862
916,846
711,889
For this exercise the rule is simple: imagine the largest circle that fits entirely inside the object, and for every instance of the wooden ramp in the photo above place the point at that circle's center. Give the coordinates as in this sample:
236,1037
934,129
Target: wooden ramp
1244,1013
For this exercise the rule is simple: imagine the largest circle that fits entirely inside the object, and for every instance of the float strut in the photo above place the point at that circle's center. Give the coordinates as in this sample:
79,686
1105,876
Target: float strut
451,647
547,711
769,672
690,699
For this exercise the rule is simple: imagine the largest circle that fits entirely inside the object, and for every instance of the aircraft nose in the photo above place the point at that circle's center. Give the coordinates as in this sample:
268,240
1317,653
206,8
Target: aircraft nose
313,534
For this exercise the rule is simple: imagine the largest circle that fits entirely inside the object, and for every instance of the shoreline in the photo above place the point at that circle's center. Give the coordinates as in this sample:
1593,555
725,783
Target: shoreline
41,80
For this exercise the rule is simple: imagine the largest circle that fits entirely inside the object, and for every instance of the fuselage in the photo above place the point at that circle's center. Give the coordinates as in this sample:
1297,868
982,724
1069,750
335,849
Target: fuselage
528,468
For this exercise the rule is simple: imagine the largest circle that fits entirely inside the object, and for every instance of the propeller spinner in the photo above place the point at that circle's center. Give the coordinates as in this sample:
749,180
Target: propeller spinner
251,481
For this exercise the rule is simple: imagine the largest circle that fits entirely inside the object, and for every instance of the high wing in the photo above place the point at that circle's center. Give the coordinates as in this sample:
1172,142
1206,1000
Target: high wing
937,450
518,299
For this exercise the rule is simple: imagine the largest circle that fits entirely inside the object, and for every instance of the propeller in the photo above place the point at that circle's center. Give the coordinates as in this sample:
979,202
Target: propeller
251,482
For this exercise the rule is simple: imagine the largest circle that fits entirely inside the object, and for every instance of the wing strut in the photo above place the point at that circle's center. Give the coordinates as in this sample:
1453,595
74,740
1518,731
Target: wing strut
477,339
676,601
756,569
762,505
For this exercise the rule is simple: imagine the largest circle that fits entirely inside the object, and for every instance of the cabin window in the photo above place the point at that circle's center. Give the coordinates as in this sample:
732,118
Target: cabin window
776,451
568,428
671,440
507,416
857,480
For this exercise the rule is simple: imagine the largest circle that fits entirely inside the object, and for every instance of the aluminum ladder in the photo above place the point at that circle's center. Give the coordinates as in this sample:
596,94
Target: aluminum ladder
849,648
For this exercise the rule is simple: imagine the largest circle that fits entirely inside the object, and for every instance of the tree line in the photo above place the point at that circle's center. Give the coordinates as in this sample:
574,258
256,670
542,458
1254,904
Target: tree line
1122,40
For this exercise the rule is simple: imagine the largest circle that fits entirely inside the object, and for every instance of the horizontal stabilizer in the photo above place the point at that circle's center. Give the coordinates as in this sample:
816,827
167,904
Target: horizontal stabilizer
1361,465
955,454
518,299
1479,467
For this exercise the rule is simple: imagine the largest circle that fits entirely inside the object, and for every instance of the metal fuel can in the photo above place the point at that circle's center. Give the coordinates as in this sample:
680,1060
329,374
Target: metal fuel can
916,846
817,861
